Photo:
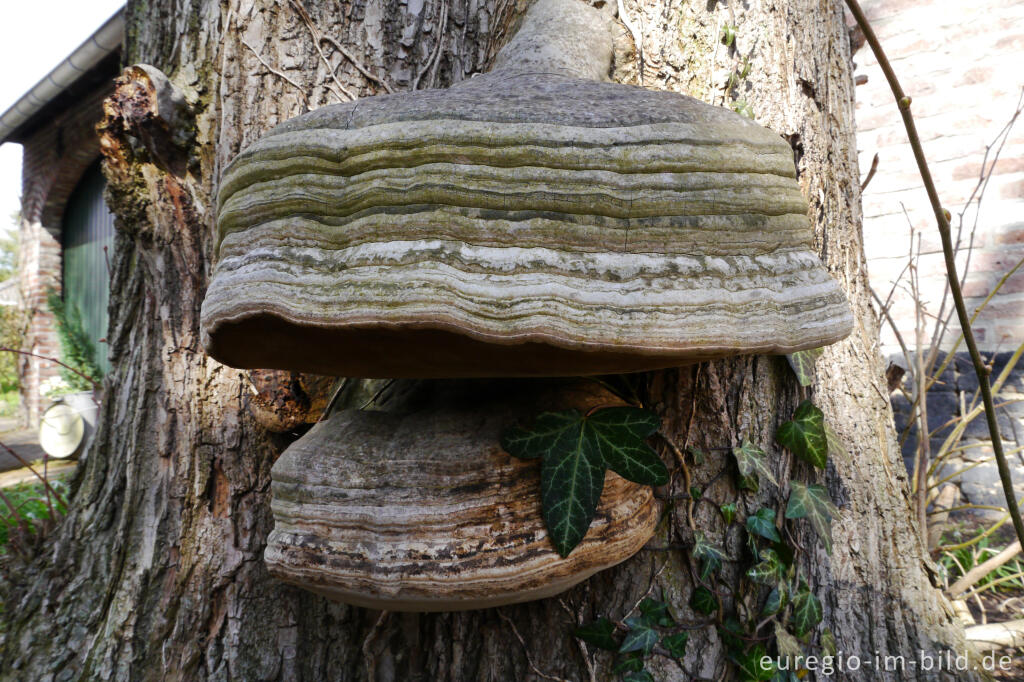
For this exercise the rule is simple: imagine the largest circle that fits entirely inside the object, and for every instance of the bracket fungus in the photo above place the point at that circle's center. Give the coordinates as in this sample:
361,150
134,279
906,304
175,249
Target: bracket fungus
533,221
536,220
422,511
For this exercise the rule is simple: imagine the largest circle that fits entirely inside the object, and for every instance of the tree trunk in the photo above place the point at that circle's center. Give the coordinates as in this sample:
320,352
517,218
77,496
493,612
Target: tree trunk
157,571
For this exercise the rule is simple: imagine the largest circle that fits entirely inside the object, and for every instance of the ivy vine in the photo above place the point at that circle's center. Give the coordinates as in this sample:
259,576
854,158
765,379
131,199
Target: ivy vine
577,449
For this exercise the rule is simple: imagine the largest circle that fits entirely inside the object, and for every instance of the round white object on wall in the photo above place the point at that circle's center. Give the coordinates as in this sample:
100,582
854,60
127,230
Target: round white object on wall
61,431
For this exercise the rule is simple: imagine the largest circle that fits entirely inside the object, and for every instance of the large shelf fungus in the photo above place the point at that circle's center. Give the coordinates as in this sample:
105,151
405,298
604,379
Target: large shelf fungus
422,511
532,221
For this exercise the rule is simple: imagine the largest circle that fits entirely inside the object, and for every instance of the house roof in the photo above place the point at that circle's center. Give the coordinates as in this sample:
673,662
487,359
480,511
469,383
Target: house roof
80,65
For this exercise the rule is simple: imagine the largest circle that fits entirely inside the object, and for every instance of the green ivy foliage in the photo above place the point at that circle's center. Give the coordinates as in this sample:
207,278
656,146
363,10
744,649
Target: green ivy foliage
76,348
575,451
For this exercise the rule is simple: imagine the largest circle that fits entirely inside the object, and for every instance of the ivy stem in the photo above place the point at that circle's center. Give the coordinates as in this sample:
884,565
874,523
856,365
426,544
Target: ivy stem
942,219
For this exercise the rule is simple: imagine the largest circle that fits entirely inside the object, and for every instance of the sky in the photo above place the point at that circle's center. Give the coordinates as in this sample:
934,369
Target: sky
34,37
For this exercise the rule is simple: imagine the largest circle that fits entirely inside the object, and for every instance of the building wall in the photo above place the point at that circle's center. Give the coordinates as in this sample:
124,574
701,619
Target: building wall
961,63
54,158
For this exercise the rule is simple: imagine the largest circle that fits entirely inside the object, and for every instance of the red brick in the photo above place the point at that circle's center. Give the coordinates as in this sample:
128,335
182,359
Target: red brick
1011,234
1013,190
973,169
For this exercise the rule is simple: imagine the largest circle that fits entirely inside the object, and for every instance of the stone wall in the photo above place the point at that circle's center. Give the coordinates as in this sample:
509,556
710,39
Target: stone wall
55,156
970,462
961,65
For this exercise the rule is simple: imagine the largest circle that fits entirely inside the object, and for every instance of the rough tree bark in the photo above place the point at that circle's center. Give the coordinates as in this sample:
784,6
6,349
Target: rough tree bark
157,571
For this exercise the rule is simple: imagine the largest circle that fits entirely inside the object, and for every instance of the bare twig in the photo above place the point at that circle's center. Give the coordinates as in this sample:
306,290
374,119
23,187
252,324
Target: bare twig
317,36
650,588
997,635
355,62
576,619
46,484
88,378
637,40
981,570
681,460
526,652
871,173
993,583
942,219
371,660
279,74
437,47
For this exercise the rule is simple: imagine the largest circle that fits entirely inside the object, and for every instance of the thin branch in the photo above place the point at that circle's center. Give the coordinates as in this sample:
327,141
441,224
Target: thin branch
529,659
992,584
88,378
980,571
637,40
871,173
576,620
355,62
437,48
279,74
317,36
46,484
942,219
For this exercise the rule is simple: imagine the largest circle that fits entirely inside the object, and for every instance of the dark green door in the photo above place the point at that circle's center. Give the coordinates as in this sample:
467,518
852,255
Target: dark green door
88,228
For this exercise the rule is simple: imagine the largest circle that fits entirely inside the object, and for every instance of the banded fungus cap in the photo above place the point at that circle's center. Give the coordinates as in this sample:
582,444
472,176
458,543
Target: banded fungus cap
532,221
422,511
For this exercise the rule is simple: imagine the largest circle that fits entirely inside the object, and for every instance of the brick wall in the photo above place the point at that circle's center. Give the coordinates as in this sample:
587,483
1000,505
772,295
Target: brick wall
54,157
961,63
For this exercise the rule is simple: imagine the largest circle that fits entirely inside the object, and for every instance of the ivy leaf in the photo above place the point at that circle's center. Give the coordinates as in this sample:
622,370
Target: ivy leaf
575,451
835,444
805,436
543,438
709,555
806,611
752,461
599,634
829,646
732,634
641,636
632,662
812,502
787,645
703,601
763,523
768,571
620,434
728,34
749,664
775,602
656,612
728,512
638,676
802,363
676,644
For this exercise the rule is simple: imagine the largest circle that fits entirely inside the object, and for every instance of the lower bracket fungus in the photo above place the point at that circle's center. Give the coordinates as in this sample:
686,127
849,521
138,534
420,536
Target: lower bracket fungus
422,510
